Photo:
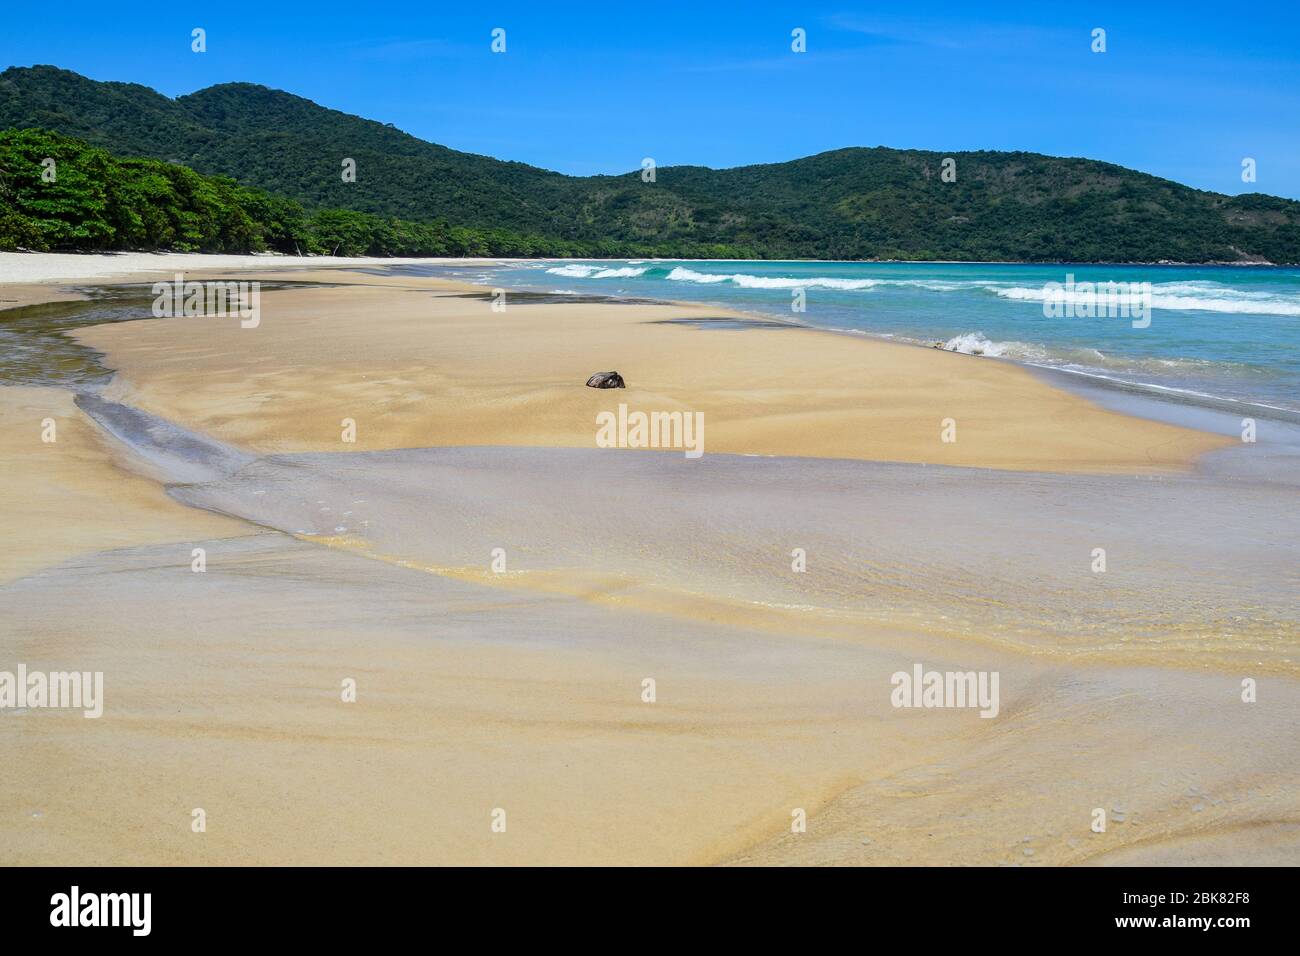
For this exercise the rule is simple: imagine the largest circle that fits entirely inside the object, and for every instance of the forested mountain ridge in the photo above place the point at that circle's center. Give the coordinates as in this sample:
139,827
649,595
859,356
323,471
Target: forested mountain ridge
853,203
60,193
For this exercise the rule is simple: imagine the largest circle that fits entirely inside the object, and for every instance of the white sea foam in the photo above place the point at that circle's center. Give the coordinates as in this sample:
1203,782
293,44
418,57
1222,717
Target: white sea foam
573,270
1193,296
682,274
1080,359
744,281
624,273
1176,296
975,343
577,270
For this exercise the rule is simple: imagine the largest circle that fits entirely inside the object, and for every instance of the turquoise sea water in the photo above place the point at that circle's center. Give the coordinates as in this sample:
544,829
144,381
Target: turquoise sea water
1219,334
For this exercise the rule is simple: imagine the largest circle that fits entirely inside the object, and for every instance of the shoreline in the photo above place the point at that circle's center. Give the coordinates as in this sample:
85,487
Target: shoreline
1154,392
31,292
623,334
521,687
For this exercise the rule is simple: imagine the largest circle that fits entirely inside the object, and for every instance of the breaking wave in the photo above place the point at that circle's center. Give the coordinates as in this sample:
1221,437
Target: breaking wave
1174,296
1225,333
1170,296
682,274
1078,358
579,271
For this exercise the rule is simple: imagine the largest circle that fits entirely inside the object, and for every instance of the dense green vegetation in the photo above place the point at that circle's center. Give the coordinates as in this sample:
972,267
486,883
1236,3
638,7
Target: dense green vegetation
88,199
418,198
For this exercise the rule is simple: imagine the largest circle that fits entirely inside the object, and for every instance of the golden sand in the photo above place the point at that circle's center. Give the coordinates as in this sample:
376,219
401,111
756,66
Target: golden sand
415,366
223,689
69,497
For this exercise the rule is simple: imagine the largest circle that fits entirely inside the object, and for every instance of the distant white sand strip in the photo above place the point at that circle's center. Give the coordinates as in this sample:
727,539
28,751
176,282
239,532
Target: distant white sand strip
62,267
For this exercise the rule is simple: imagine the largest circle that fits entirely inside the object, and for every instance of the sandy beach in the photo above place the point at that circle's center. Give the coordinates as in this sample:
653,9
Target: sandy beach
419,363
500,589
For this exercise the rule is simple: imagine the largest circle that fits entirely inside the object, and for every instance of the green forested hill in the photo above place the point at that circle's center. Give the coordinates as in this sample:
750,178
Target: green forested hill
57,192
846,204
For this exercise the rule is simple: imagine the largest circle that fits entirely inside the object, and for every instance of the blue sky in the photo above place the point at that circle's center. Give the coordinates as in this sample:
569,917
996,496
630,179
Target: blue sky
1184,90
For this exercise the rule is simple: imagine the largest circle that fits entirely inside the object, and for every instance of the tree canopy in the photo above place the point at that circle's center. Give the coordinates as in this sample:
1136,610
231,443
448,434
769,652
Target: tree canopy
854,203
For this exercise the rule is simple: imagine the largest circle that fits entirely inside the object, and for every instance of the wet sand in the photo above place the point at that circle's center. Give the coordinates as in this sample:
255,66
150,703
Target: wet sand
415,364
521,688
71,497
471,698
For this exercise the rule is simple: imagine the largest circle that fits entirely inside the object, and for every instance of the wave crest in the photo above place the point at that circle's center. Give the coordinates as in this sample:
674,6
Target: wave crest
1171,296
744,281
577,270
